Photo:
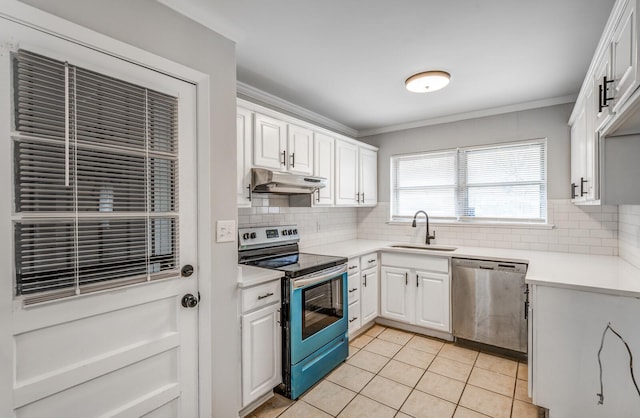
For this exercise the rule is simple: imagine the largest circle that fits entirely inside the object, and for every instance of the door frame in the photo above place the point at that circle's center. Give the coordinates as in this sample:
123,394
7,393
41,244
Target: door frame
35,18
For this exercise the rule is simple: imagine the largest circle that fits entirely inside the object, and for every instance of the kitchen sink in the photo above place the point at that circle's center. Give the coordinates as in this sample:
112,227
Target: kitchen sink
424,247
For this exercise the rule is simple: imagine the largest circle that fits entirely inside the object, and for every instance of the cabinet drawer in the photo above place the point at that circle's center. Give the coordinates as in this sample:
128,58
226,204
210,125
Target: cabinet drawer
368,261
420,262
262,295
353,265
353,288
354,316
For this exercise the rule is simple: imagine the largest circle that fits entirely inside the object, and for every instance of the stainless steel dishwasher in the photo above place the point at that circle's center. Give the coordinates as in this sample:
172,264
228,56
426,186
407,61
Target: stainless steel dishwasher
489,303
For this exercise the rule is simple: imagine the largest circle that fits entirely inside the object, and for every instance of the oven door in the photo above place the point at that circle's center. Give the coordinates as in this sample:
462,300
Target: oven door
318,311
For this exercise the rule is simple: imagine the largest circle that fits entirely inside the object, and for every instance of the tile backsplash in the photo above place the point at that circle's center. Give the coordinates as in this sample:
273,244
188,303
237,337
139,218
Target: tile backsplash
317,226
577,229
629,231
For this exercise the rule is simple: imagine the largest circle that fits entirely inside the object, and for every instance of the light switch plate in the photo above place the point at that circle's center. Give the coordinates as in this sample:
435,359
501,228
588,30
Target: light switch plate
226,231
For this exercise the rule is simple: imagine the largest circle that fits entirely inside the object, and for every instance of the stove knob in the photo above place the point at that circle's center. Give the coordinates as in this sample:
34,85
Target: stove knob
253,235
291,232
284,232
295,232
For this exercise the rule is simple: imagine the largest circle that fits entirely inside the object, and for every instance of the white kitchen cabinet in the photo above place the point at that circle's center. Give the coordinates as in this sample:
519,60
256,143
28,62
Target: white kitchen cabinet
346,174
432,301
416,289
396,296
324,166
624,55
369,289
356,175
269,143
369,294
261,341
281,146
585,153
299,151
244,133
567,332
368,176
353,287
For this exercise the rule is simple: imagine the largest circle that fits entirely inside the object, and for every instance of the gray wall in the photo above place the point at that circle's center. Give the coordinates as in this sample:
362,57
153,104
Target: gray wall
548,122
153,27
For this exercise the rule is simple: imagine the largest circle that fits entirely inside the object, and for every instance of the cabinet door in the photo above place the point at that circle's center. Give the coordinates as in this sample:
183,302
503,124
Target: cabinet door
395,295
261,353
269,143
624,65
299,150
578,153
590,188
244,135
368,177
602,69
346,174
323,166
369,294
432,300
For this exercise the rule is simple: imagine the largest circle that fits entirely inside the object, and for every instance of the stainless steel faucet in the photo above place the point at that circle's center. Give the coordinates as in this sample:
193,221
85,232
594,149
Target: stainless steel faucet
428,238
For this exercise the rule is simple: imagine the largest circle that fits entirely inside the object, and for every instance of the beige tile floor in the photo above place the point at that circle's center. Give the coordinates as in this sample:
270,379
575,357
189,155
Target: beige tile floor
392,373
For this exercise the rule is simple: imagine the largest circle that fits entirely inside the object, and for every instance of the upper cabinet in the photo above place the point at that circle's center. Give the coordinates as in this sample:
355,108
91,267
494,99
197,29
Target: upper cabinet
269,139
270,143
324,166
356,175
608,106
244,135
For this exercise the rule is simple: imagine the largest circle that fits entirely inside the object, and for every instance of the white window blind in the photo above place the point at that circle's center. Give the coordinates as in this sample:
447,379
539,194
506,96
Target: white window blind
95,190
496,183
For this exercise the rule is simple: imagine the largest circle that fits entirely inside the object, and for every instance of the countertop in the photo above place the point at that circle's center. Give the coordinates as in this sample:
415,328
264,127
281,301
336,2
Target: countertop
593,273
252,276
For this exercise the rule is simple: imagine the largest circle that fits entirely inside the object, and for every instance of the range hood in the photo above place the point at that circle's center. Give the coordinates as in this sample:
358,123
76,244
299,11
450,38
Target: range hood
268,181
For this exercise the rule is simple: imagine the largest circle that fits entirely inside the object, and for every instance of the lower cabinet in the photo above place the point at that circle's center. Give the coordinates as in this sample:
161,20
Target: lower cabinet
417,293
261,351
355,321
369,294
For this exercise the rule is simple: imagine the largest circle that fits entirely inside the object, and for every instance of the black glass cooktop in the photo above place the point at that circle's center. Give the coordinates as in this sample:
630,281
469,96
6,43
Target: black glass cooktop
299,264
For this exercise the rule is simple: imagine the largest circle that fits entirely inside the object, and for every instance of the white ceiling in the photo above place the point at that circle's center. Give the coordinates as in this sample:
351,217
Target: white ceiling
347,59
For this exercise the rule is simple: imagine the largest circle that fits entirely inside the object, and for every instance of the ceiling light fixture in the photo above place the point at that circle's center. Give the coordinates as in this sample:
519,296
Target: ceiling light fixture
428,81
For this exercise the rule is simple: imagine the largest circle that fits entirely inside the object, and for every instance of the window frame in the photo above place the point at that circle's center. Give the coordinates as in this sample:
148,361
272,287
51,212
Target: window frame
462,187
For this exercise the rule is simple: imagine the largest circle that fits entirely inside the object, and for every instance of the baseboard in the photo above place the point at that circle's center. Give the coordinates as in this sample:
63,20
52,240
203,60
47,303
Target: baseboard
413,328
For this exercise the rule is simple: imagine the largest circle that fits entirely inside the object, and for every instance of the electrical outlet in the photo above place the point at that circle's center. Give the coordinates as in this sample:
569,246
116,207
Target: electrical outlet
225,231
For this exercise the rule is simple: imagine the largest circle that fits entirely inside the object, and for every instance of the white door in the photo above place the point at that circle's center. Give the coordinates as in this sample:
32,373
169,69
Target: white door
432,300
395,295
368,176
261,352
269,143
346,174
98,350
578,154
369,294
244,135
299,150
323,166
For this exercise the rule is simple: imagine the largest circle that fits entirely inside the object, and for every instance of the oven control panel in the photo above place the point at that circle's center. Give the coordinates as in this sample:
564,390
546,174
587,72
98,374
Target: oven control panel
270,235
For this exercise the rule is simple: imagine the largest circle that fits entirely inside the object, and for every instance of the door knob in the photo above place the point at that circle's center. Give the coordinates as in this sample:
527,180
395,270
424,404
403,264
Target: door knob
189,301
186,270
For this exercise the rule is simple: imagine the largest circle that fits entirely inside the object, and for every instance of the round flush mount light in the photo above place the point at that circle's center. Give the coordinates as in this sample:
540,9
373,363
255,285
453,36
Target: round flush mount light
428,81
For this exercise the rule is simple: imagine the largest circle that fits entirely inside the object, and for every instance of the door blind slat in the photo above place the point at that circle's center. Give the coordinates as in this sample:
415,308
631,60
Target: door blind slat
123,157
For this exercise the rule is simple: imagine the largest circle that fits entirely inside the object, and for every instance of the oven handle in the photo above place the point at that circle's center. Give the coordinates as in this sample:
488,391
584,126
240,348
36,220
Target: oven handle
320,276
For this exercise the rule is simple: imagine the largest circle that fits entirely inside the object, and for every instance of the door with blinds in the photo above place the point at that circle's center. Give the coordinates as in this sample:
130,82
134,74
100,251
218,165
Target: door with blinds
99,285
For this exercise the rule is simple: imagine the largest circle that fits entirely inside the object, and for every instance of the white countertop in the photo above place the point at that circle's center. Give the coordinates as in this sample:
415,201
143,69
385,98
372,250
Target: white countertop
594,273
251,276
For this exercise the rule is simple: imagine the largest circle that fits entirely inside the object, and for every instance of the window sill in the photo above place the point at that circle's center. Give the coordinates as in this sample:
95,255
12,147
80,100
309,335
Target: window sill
513,225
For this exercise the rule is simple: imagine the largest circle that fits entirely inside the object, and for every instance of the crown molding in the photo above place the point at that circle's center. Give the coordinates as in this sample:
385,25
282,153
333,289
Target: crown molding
280,104
470,115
